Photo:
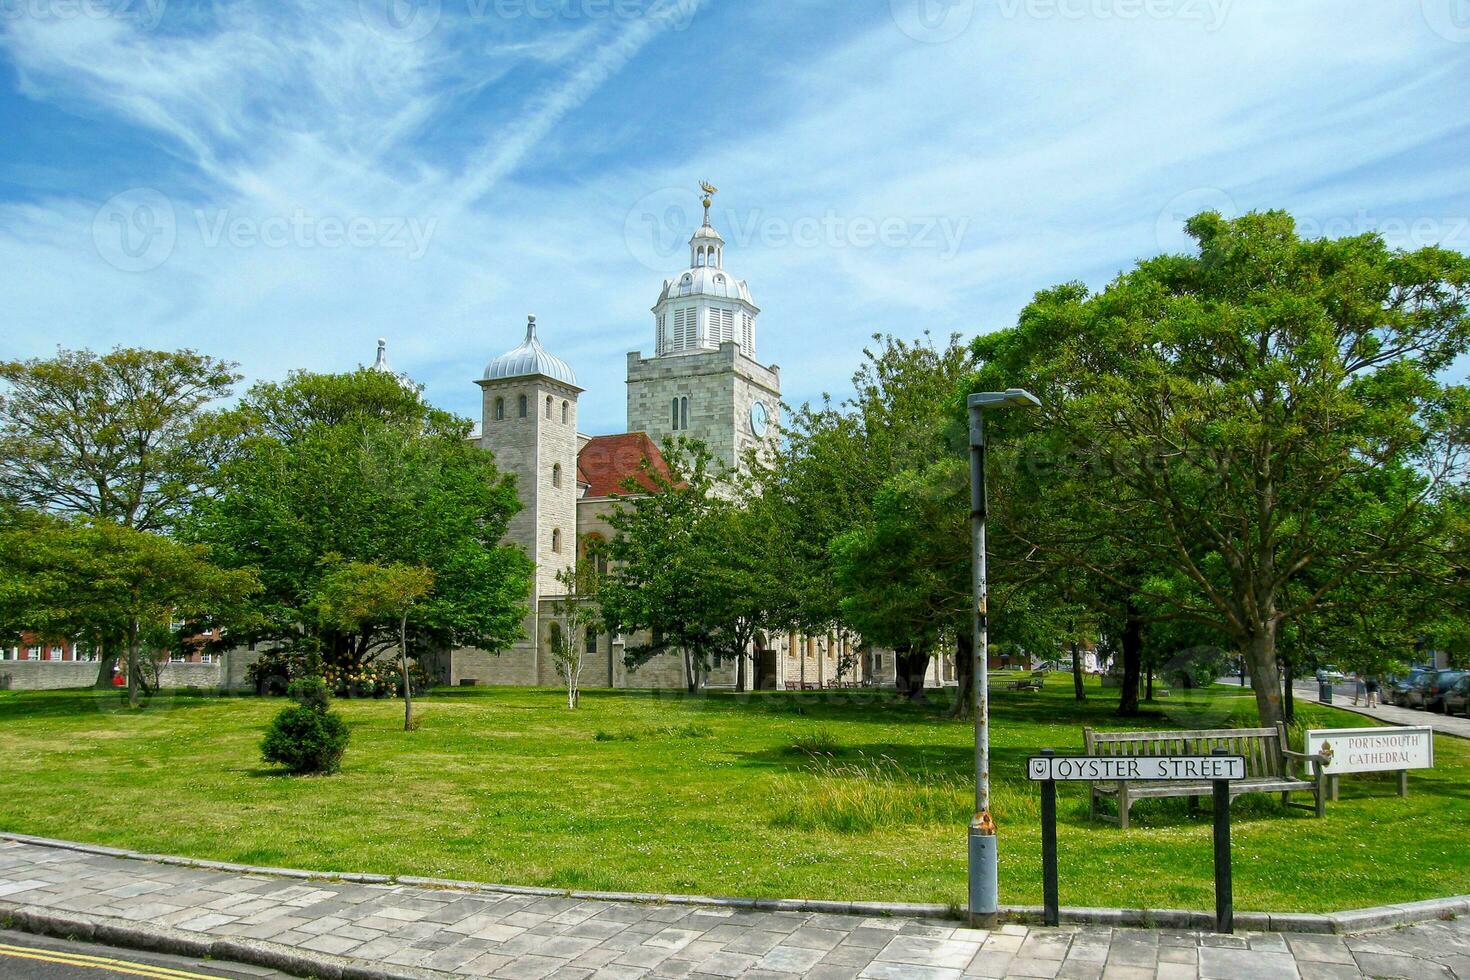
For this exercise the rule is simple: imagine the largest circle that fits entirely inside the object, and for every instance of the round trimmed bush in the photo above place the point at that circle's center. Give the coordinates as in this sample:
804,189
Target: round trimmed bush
306,738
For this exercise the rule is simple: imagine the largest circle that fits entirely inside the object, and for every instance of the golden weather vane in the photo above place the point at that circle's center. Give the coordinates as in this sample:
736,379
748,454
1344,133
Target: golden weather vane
710,190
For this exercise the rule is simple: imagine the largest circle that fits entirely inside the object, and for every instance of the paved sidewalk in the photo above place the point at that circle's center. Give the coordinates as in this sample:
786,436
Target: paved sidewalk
1342,697
482,934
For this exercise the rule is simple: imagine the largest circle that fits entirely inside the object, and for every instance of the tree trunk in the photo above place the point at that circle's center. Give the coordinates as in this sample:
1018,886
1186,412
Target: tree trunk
133,666
403,662
1288,672
1132,663
964,672
1078,691
912,666
1149,685
107,663
691,673
1259,652
740,671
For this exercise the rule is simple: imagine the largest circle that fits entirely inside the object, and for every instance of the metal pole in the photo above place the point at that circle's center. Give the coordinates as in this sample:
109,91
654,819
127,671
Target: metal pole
1224,892
1049,849
984,886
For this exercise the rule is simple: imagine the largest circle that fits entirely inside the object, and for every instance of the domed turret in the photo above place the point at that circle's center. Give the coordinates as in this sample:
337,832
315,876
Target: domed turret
530,359
704,306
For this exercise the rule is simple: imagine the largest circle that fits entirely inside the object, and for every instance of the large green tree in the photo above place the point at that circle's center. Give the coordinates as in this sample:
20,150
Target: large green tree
1256,428
838,463
355,468
127,437
86,580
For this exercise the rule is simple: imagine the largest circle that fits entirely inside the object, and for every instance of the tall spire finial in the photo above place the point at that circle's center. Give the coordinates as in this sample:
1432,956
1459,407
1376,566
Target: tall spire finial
531,327
710,190
381,364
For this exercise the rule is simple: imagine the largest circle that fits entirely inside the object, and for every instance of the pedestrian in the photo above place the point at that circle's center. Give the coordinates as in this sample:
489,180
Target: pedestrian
1370,687
1358,688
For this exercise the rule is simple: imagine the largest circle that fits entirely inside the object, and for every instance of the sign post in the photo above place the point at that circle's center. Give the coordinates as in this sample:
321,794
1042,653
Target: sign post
1224,889
1218,769
1051,903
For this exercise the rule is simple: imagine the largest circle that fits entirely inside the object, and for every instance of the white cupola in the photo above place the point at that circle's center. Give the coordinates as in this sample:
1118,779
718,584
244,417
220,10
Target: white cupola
704,306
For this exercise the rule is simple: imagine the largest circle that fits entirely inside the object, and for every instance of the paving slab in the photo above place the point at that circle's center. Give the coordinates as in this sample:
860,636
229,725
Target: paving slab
531,935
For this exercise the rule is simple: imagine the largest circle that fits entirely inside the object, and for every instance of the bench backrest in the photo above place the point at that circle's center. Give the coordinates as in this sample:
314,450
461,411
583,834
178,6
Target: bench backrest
1261,747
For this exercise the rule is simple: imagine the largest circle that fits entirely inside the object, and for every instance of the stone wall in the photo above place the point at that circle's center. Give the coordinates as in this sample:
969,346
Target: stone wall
50,675
721,387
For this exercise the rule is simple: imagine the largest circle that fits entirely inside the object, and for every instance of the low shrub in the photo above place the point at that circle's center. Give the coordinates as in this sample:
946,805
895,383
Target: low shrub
817,742
606,736
689,730
869,794
307,737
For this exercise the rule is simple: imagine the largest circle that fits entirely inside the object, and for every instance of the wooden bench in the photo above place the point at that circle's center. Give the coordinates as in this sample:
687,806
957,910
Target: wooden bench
1029,684
1270,766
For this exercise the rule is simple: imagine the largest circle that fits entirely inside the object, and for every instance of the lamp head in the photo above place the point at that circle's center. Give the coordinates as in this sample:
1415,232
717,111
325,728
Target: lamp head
1010,398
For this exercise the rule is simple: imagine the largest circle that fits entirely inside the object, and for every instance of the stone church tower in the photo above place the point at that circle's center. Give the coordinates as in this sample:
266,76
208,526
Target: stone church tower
704,381
530,425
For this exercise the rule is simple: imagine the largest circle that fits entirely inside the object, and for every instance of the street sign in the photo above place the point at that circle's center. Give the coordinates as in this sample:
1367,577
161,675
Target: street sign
1169,768
1349,750
1372,749
1217,768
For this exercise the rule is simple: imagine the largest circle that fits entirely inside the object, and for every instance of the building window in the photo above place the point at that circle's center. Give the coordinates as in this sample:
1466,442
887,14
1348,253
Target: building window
548,406
33,653
55,653
591,639
175,657
566,412
674,411
556,475
500,409
684,412
523,405
556,540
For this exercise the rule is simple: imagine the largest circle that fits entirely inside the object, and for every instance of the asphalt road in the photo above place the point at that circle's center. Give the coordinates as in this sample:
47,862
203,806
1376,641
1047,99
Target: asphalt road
26,957
1342,697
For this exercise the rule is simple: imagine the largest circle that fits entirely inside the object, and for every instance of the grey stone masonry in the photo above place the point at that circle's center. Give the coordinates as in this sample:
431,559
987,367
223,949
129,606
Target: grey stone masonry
372,927
721,385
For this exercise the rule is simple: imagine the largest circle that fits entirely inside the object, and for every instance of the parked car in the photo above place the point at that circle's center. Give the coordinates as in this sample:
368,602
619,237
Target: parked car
1429,688
1329,675
1457,698
1396,691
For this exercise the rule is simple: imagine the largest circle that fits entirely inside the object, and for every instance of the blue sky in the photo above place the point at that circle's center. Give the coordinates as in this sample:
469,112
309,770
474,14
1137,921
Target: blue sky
281,182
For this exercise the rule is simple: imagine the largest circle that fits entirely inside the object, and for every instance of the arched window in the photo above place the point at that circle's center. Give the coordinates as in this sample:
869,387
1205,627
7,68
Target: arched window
548,406
556,540
500,409
565,412
674,409
556,475
684,412
553,636
523,406
591,639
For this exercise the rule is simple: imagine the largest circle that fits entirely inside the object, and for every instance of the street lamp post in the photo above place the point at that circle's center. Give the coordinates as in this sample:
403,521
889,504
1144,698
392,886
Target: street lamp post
984,863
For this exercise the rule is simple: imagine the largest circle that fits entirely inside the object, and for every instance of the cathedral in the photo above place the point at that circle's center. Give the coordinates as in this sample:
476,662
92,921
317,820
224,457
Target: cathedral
705,381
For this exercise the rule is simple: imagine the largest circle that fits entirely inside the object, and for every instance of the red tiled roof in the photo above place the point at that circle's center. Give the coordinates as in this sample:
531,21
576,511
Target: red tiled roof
606,461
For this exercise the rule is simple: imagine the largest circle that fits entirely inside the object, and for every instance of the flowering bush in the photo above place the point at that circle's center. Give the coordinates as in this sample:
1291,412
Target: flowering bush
374,679
277,669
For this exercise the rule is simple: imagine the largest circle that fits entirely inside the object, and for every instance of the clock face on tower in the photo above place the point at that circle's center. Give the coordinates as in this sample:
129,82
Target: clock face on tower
760,418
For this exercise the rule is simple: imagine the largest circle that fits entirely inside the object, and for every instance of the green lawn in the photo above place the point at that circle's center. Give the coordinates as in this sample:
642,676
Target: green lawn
644,792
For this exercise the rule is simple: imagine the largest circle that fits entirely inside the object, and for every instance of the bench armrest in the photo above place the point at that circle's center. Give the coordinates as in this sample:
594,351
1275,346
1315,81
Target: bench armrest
1317,761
